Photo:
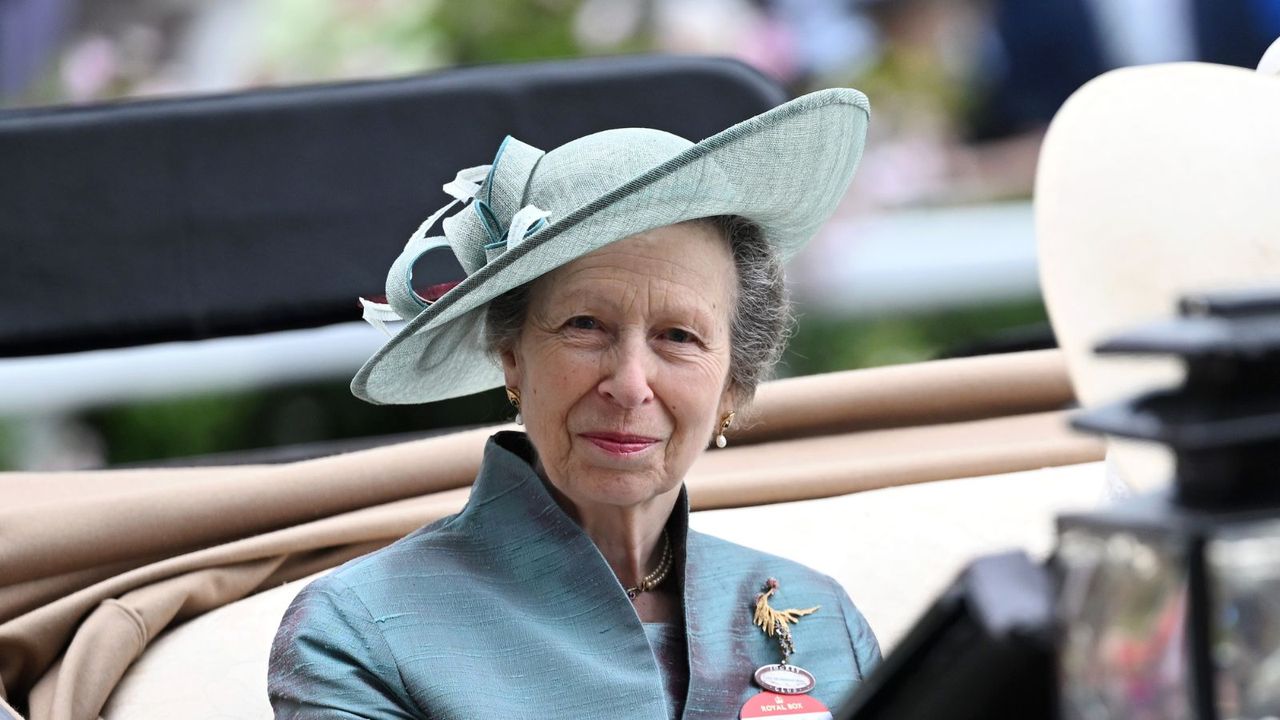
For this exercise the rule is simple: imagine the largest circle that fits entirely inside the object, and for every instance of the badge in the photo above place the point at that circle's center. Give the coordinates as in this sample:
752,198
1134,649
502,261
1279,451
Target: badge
785,679
794,707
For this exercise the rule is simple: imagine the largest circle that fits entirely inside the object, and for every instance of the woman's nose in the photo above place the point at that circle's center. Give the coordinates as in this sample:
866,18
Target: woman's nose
626,377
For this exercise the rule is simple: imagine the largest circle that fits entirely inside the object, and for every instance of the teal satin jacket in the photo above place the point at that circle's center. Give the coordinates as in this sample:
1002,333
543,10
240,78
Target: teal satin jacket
508,610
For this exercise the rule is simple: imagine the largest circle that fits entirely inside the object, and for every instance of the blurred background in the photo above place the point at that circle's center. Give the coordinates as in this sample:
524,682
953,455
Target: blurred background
931,255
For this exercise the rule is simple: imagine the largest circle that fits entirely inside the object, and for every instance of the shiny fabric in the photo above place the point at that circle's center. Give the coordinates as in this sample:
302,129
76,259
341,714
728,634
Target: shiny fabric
672,653
508,610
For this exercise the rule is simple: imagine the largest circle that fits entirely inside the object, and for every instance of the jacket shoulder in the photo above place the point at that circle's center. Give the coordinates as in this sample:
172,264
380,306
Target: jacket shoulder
727,569
731,557
436,538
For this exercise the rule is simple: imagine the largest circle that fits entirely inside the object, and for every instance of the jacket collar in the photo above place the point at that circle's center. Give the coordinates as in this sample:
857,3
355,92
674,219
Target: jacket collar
557,563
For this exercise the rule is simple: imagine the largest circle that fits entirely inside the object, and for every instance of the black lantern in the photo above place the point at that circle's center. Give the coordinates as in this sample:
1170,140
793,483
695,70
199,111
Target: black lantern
1162,607
1169,604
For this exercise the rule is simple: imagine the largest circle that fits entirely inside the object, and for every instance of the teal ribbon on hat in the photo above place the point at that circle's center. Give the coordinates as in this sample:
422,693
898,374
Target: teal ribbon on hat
401,298
500,209
498,190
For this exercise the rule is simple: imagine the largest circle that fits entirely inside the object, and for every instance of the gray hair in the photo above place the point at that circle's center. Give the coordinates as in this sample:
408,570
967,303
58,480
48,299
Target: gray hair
758,330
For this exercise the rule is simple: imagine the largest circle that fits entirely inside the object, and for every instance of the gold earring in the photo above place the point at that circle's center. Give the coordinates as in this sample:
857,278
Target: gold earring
725,422
513,396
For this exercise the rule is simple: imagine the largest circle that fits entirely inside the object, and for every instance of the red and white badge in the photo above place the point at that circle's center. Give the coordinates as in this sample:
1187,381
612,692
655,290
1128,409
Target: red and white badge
793,707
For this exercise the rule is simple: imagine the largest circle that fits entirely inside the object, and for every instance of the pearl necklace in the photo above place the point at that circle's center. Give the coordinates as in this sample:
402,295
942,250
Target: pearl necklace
655,578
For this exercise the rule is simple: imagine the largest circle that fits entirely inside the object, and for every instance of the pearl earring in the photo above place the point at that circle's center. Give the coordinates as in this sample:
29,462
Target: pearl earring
721,441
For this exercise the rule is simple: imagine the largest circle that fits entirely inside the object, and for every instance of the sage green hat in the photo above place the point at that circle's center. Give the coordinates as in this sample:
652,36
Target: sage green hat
533,211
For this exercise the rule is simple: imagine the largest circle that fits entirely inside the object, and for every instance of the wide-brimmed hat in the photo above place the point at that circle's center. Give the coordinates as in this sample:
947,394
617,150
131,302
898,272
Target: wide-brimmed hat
533,211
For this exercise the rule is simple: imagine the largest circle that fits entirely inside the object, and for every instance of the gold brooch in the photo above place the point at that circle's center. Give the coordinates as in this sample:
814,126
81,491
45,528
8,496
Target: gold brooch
782,677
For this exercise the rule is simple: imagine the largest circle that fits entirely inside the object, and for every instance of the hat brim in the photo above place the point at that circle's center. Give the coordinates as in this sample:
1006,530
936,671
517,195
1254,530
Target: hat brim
785,169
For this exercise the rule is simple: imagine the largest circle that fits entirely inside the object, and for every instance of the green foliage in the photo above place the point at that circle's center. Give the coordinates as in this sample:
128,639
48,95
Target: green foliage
824,343
173,428
235,422
8,451
488,31
304,40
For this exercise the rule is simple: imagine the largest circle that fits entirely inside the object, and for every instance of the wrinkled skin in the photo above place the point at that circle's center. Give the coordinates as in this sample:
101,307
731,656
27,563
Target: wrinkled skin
631,340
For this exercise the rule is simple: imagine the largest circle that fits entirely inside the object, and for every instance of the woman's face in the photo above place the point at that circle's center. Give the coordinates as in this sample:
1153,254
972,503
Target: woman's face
623,363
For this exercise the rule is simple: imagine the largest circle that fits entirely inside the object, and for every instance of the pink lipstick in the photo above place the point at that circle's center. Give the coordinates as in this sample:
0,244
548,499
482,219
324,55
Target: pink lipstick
619,443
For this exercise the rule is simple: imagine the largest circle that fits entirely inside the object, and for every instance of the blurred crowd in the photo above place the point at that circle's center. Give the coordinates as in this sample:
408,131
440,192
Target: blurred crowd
962,89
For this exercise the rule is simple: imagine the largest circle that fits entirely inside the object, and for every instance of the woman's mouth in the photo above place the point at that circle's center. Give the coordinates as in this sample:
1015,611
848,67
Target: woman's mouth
619,443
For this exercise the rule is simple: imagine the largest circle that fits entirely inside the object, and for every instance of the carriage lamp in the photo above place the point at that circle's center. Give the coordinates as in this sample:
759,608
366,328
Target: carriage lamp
1169,604
1162,607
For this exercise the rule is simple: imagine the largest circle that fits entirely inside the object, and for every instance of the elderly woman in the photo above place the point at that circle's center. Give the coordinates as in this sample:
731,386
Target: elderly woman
627,289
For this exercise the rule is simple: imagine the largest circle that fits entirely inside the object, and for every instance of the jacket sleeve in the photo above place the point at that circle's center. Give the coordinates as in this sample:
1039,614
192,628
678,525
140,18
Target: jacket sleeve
866,649
329,660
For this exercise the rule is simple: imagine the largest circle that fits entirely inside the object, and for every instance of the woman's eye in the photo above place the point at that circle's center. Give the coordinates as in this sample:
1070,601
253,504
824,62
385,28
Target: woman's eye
582,322
678,335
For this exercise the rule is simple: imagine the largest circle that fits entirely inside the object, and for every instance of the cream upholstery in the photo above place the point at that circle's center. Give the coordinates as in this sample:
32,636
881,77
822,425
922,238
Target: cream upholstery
214,666
894,549
1153,182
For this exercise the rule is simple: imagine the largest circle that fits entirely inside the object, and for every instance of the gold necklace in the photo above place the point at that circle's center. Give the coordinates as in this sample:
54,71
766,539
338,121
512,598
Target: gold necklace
655,578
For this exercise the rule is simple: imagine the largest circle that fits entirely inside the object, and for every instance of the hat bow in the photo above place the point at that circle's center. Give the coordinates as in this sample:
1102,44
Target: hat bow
498,222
